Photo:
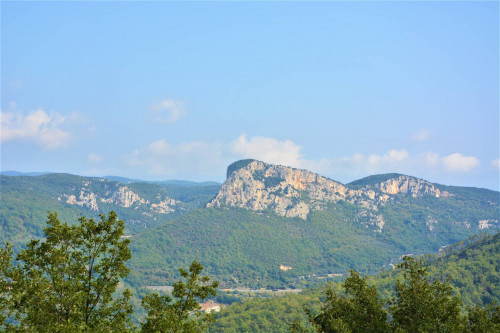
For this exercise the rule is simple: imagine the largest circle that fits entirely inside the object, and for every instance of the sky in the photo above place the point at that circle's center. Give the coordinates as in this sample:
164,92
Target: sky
178,90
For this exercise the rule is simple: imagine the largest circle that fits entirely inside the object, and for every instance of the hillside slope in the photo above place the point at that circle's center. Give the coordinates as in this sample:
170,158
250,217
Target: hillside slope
477,258
25,201
277,226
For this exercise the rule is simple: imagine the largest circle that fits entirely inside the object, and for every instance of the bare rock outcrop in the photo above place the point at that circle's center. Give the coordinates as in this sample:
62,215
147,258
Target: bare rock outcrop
121,196
290,192
86,198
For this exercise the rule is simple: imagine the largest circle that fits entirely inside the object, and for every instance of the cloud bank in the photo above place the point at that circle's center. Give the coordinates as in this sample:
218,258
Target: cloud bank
40,127
205,159
459,163
267,149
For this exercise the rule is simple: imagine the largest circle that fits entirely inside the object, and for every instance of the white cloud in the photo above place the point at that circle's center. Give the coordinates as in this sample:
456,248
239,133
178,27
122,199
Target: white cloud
168,111
377,163
94,158
159,148
421,135
395,155
495,164
165,159
210,159
268,150
459,163
45,129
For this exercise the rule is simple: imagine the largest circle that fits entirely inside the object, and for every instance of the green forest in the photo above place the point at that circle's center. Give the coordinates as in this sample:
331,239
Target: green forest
70,282
271,272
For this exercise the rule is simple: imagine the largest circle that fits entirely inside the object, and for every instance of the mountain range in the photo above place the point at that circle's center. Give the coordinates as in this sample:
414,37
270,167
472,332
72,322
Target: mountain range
265,226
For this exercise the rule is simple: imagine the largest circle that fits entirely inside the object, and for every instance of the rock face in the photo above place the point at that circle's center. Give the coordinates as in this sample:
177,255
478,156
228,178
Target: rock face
409,185
85,198
293,192
118,195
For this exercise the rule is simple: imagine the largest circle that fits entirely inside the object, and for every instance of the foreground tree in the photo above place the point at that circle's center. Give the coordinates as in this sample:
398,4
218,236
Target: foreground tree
422,306
419,306
181,312
6,284
484,319
358,310
67,282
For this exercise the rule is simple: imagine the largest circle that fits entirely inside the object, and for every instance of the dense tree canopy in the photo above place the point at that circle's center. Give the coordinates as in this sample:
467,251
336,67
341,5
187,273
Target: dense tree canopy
181,311
419,306
66,282
69,283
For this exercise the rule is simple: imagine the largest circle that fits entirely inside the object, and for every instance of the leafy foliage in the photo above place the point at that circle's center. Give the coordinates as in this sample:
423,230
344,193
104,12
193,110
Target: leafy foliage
181,311
360,310
6,300
69,283
271,314
419,306
66,283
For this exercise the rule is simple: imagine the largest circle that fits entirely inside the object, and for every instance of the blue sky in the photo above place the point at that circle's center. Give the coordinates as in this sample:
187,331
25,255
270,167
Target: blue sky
178,90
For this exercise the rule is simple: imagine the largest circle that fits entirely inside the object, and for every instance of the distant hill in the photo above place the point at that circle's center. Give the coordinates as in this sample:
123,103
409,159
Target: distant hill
183,183
266,226
25,201
266,217
17,173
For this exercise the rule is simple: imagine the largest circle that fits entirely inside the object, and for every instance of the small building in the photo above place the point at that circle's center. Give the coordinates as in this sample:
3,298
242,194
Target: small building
210,306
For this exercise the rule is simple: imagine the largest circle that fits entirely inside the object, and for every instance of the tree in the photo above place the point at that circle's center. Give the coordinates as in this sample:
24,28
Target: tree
421,306
6,301
67,282
181,311
484,319
358,310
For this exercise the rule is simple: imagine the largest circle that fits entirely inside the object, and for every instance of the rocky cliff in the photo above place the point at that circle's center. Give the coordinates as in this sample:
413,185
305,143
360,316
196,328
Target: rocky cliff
293,192
117,194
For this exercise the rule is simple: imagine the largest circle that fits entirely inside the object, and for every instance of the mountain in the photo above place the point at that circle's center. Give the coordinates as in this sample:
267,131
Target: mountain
266,226
290,192
272,225
183,183
25,201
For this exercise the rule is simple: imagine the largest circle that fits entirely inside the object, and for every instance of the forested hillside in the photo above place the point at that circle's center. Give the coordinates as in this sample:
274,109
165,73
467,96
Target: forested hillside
274,226
266,226
25,201
472,266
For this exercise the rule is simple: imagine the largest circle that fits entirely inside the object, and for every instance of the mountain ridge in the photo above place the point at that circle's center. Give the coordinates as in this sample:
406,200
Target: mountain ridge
26,199
292,192
362,226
